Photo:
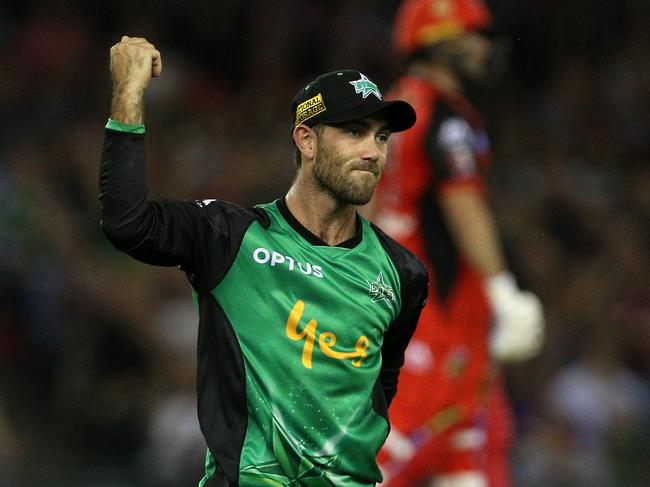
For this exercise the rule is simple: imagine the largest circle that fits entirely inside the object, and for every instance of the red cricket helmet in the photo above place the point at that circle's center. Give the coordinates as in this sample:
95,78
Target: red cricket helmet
421,23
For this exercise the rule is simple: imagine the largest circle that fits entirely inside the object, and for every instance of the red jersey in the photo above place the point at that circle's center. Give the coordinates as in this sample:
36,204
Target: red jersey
447,363
448,147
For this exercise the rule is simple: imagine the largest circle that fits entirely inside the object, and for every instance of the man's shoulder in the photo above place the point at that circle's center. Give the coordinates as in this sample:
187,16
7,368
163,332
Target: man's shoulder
219,210
407,263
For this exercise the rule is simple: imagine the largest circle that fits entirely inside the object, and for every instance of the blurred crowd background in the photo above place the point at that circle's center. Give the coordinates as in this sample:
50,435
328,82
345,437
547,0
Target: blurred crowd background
97,352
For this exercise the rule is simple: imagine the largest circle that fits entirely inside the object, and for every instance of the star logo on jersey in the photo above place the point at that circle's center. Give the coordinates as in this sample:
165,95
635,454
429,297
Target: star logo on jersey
380,291
365,87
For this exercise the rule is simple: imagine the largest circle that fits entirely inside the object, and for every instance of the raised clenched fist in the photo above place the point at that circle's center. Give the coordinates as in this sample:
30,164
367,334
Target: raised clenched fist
134,61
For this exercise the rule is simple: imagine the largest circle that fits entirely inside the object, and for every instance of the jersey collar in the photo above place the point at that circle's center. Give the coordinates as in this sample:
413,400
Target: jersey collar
310,237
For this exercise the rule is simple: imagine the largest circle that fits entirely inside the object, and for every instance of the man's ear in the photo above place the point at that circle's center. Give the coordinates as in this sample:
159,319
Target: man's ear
305,139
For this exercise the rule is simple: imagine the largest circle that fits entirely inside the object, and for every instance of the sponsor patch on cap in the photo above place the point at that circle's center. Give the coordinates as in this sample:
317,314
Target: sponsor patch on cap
310,108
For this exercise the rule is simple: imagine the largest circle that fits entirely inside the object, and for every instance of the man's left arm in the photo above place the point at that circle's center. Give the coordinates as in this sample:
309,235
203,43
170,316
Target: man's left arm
517,332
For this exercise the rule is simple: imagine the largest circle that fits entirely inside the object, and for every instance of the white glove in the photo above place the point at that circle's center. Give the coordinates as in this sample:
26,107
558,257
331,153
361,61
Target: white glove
518,330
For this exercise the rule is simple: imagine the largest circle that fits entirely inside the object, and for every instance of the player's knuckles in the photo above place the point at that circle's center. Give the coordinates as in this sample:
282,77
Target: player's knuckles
120,47
128,47
135,40
141,45
132,52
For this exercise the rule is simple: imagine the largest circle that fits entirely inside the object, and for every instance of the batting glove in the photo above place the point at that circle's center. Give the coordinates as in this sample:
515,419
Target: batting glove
518,330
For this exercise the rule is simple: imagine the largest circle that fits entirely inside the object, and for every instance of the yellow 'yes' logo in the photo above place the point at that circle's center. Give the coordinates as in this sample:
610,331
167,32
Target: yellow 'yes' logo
326,340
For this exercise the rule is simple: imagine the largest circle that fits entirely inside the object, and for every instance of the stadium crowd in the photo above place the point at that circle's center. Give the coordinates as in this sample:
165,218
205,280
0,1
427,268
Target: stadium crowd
97,353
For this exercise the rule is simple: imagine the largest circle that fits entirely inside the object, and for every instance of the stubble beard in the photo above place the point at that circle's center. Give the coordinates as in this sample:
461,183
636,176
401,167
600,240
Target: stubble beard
333,177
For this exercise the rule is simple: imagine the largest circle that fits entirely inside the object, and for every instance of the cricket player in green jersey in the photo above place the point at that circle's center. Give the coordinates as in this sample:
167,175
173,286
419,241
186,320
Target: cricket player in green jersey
305,308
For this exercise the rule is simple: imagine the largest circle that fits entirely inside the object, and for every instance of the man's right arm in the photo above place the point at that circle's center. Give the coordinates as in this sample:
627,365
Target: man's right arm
202,237
156,232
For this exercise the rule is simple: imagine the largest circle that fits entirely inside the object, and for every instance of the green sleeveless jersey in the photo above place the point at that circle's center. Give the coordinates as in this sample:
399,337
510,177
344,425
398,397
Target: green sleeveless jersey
300,343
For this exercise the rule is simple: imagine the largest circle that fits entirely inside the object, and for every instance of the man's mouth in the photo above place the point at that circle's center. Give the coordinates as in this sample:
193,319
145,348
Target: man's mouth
370,169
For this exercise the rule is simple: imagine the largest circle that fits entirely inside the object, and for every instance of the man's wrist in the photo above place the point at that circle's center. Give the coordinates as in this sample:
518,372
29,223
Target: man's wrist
127,104
131,128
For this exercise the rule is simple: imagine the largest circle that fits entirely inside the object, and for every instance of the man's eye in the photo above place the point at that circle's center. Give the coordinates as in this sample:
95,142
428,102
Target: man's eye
354,132
382,138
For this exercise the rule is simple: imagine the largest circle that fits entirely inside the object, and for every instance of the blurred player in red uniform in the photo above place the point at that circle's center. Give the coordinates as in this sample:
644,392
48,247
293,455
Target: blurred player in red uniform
451,424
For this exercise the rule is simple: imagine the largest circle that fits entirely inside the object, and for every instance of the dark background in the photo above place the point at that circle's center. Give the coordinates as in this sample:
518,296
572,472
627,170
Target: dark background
97,353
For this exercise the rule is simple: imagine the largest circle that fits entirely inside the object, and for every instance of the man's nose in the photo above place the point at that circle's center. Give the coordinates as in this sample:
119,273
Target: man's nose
370,149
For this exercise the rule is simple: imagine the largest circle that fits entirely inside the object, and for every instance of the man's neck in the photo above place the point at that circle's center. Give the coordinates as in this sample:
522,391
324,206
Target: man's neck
330,220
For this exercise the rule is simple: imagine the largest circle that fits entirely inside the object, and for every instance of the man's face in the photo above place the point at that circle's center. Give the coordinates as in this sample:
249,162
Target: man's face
350,159
473,51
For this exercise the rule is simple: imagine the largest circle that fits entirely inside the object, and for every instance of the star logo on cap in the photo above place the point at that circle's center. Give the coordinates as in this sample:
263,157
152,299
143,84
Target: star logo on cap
365,87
